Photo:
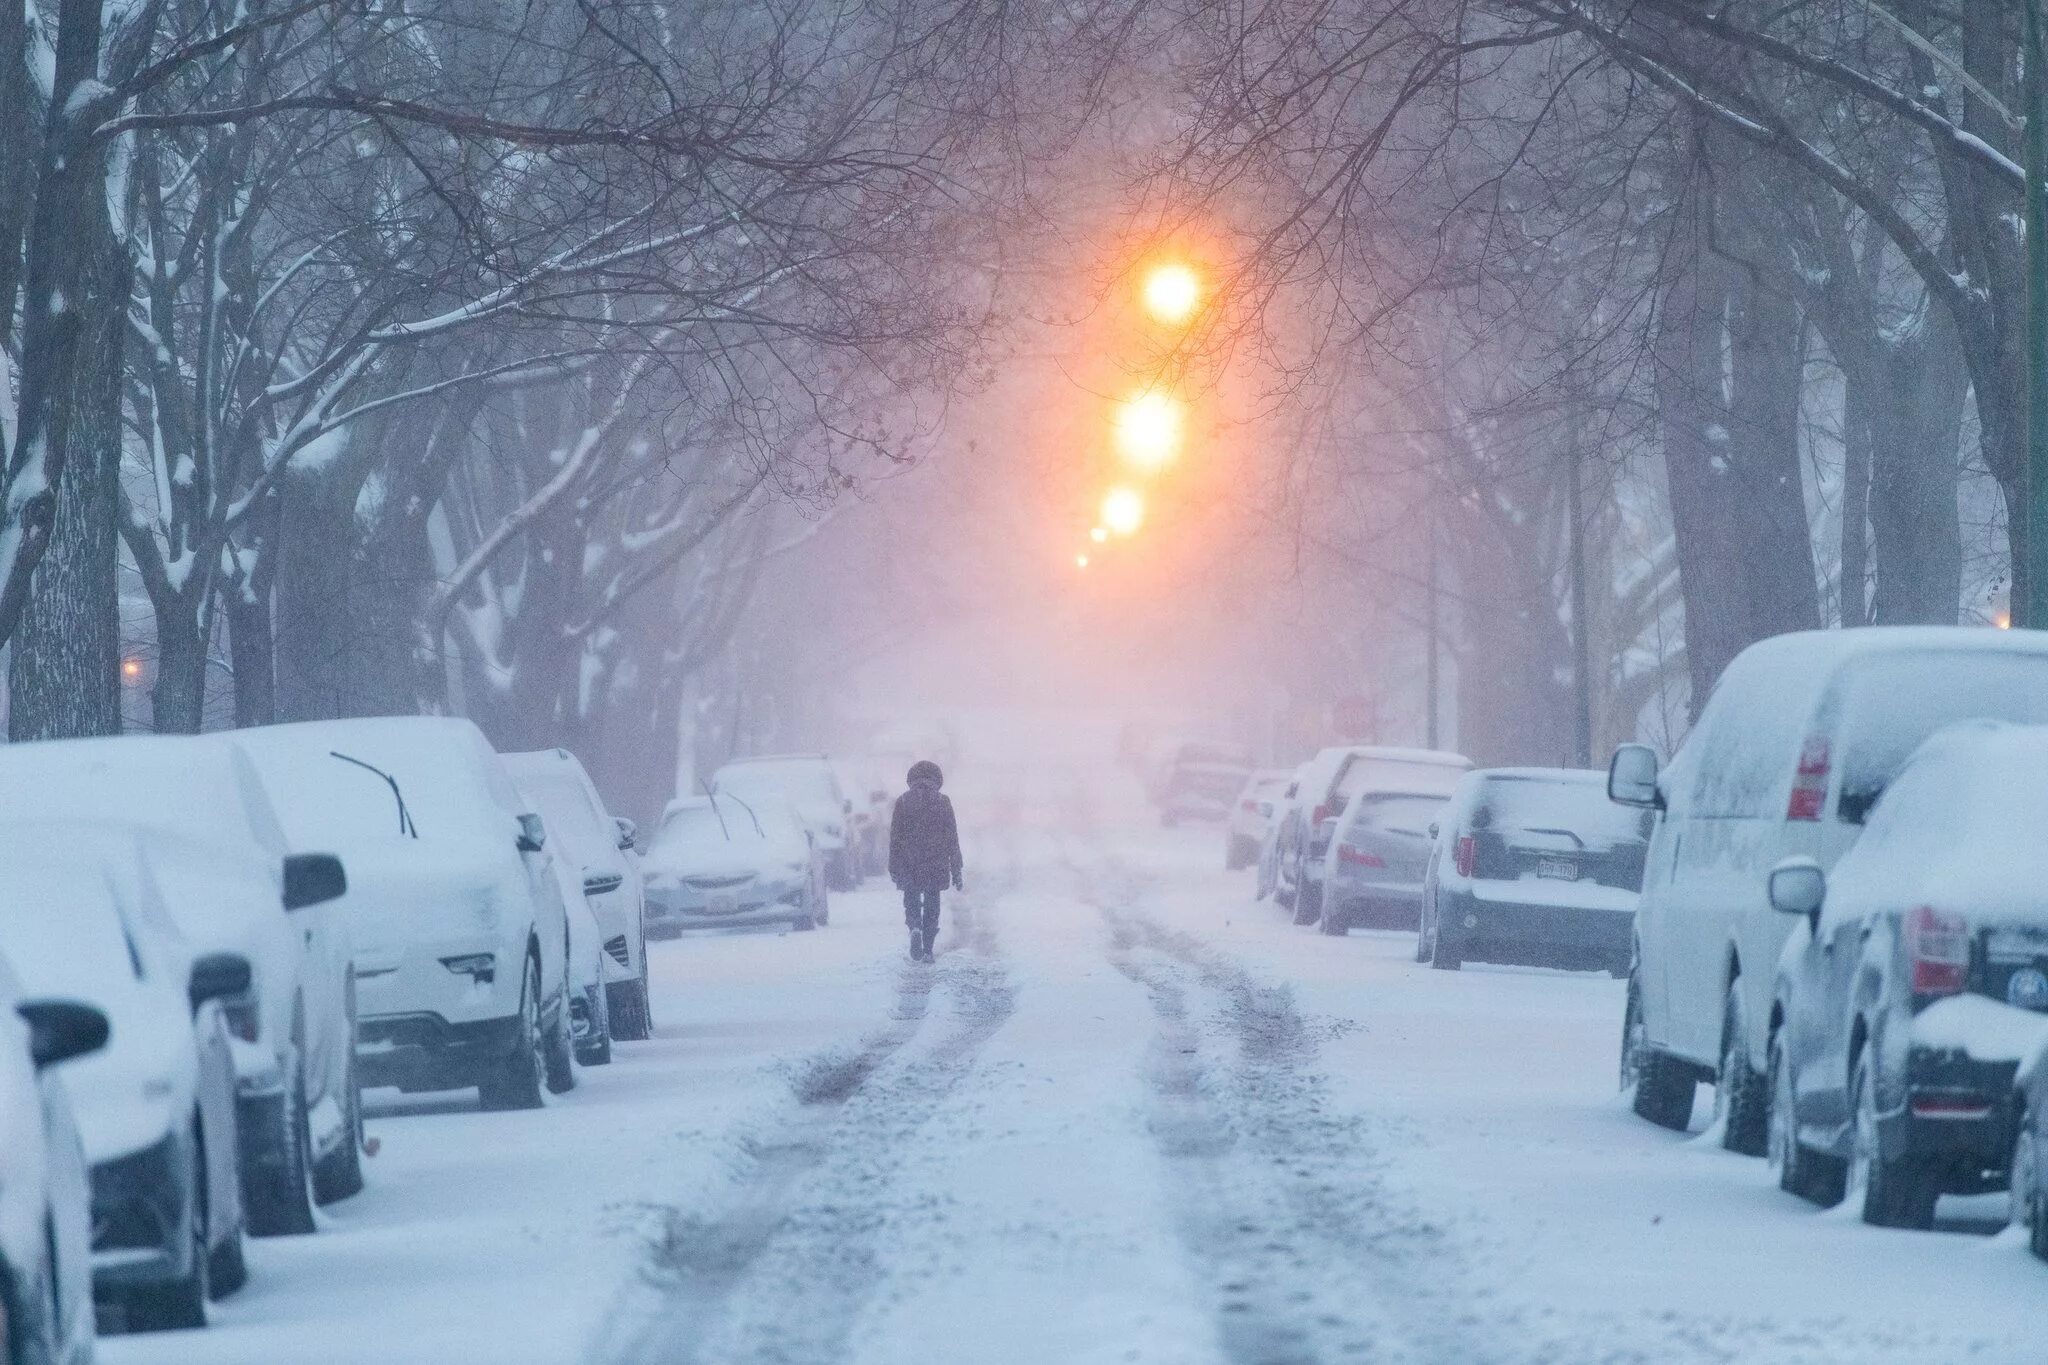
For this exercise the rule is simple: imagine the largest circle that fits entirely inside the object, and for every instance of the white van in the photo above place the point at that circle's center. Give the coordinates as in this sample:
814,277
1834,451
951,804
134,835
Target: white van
1794,746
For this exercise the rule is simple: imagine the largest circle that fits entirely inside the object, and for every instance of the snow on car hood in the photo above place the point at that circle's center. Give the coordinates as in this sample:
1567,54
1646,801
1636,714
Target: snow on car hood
402,888
738,858
125,1095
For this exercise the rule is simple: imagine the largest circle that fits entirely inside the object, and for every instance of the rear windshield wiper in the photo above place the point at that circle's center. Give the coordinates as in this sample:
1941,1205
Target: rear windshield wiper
405,825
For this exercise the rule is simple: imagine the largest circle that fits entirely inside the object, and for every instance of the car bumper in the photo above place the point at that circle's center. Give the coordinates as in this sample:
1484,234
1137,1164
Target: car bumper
1376,905
1505,930
140,1217
418,980
674,909
426,1052
1955,1117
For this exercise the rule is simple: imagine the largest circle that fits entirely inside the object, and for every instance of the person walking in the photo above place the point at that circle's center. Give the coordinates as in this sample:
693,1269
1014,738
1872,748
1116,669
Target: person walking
924,854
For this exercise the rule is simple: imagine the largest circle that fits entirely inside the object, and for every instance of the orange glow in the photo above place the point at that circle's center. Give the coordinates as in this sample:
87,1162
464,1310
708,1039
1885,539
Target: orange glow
1148,427
1172,293
1099,534
2003,620
131,669
1123,511
1080,561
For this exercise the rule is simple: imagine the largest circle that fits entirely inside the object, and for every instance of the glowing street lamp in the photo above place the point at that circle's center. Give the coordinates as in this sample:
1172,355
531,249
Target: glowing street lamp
1123,511
1148,427
1081,561
1098,534
1172,292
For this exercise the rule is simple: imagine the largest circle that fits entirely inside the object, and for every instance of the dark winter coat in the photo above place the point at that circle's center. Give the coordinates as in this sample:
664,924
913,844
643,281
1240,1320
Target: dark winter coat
924,839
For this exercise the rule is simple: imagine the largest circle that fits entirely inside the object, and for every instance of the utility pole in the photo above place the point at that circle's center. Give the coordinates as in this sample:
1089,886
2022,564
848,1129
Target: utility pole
1434,684
2032,607
1582,680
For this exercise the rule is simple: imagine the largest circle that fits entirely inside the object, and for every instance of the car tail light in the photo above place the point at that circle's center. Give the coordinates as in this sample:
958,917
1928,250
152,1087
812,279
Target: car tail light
1467,854
1358,857
1322,813
1950,1106
1809,780
1938,946
1249,807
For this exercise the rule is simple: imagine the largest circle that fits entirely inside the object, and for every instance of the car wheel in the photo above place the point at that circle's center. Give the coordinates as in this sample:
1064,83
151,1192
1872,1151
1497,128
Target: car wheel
823,916
1660,1086
1801,1171
1741,1101
2024,1184
516,1083
1894,1193
2037,1190
561,1052
180,1304
339,1174
628,1007
281,1197
227,1268
1444,955
1307,902
1335,921
596,1050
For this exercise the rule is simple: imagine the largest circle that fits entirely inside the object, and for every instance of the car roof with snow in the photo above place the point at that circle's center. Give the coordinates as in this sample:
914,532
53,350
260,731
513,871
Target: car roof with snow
443,764
193,786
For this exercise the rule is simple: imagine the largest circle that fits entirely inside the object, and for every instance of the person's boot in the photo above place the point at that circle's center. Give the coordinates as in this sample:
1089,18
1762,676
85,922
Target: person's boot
930,938
916,946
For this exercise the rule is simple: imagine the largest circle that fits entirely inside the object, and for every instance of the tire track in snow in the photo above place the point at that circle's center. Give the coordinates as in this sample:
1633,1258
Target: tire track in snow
1310,1257
782,1273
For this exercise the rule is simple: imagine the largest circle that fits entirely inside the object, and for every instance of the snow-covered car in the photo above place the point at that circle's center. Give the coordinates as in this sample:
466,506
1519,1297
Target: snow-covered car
868,824
461,936
1324,791
1251,814
808,784
2028,1161
1914,982
46,1310
1201,783
81,919
234,883
597,848
725,860
1378,853
1801,735
1267,880
1533,866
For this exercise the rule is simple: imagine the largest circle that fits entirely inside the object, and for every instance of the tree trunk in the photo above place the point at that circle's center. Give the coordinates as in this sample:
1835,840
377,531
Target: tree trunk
178,698
64,674
1916,464
1852,607
246,601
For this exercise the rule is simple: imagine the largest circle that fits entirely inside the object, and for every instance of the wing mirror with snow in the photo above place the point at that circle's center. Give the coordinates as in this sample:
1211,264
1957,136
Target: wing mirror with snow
1798,886
313,879
629,833
216,976
533,835
600,883
1632,777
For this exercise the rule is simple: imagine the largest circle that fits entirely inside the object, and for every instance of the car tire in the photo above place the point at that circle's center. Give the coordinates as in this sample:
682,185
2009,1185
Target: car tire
1661,1085
561,1052
2037,1190
1444,956
631,1019
1898,1193
823,914
1335,921
1307,903
281,1198
517,1080
1813,1176
227,1267
596,1050
181,1304
339,1174
1742,1099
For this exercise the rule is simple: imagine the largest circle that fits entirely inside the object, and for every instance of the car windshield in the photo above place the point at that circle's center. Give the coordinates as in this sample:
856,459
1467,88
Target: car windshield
1397,812
338,799
1395,774
1509,804
701,824
566,808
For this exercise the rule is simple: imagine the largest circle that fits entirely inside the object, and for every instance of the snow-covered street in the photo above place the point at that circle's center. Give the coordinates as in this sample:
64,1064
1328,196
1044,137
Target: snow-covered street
1129,1115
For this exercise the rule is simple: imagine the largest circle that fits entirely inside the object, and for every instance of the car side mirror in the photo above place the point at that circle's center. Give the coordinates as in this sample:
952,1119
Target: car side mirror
601,883
1632,777
217,975
1434,829
1798,886
59,1030
533,834
313,879
629,833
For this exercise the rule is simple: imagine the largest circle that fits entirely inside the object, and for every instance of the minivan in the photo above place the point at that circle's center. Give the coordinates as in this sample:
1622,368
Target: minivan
1794,746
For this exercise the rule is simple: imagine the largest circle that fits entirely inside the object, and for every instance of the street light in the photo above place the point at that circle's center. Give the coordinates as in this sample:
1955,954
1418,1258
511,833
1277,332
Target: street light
1098,534
1172,293
1148,427
1123,511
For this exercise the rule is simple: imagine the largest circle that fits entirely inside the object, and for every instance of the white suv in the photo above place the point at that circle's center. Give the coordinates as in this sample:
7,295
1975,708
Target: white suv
462,940
1794,747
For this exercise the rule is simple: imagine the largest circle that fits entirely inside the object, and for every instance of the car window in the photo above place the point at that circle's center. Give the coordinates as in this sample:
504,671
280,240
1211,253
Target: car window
1397,812
566,808
1537,803
1738,761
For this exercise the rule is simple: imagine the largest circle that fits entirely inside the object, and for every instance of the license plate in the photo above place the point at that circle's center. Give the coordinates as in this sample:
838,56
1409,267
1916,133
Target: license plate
722,905
1563,869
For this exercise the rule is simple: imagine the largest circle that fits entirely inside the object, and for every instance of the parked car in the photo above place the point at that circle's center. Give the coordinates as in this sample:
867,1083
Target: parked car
721,860
1250,814
1267,882
1201,782
808,784
1325,788
1800,737
596,847
873,804
81,919
1533,866
2028,1161
1914,982
1377,854
235,883
462,938
46,1310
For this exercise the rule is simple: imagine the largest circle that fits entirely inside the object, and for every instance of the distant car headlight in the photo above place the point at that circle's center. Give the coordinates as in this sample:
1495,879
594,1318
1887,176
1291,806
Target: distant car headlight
834,831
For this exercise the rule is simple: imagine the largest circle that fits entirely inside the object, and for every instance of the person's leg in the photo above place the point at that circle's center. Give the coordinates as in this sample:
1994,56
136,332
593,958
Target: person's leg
930,919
